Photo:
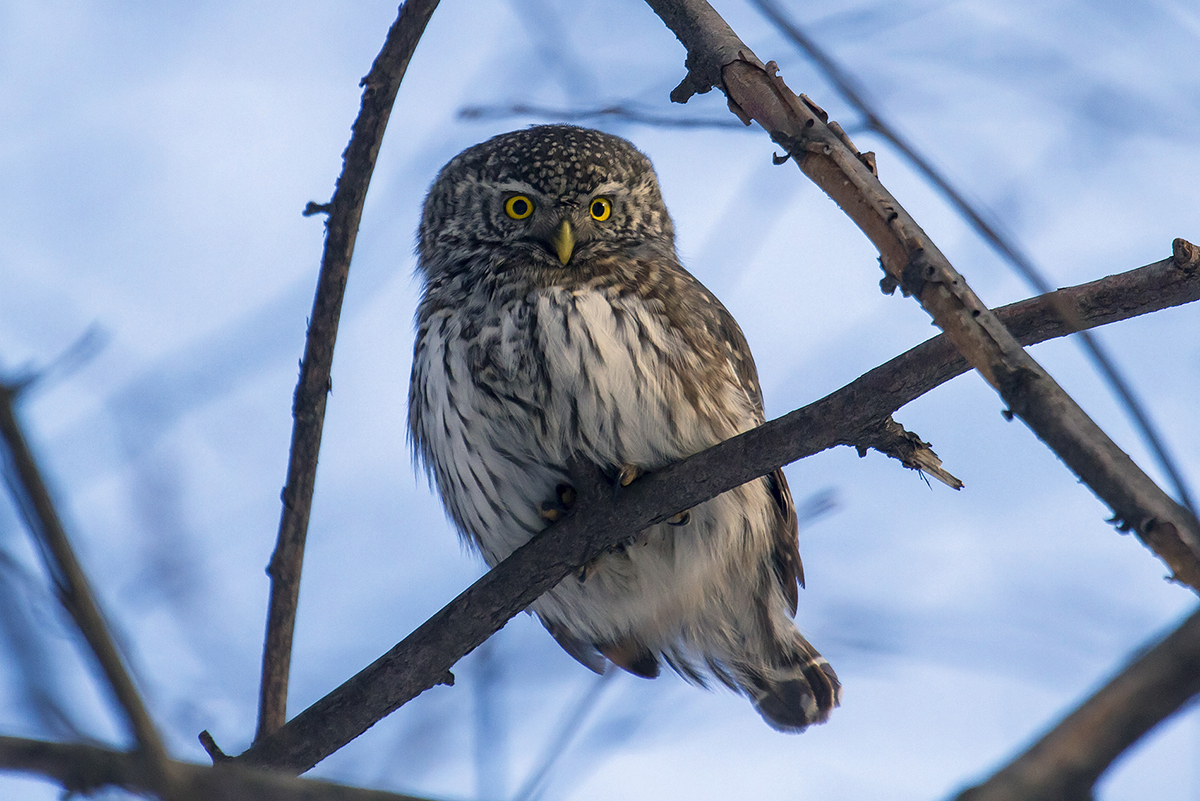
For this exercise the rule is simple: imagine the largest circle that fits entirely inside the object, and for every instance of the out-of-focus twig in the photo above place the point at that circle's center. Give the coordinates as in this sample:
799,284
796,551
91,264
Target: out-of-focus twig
718,58
308,410
621,112
989,230
1065,763
568,728
80,768
32,497
425,657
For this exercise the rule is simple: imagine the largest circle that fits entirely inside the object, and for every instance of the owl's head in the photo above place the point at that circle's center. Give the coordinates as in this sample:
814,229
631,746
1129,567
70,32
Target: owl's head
553,200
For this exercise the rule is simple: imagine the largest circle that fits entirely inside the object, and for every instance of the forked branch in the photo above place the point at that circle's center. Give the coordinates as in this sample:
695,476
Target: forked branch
718,58
599,520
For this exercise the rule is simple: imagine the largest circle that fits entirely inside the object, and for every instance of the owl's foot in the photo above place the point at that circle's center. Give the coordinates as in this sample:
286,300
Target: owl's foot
628,474
564,499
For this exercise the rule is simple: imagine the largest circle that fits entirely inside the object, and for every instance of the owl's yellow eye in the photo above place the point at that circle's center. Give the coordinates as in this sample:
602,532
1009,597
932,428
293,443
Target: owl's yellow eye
601,209
518,207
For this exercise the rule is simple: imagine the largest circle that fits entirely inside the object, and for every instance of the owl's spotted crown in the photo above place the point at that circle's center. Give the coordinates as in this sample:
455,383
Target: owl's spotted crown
555,159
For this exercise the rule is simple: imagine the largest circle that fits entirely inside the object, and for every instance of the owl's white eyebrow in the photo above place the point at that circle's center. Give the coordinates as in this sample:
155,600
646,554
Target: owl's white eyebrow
608,188
516,186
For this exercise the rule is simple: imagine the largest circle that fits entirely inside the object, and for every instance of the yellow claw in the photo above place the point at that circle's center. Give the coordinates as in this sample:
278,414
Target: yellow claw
563,241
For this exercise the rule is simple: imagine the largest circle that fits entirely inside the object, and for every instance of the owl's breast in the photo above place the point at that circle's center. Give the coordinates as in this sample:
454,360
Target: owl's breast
625,385
499,402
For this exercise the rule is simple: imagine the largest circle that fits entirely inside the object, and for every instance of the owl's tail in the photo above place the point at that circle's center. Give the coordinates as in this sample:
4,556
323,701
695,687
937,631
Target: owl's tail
799,690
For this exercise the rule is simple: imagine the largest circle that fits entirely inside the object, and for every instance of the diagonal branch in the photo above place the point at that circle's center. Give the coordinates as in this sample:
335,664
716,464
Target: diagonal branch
32,497
717,57
990,231
1067,761
83,769
600,519
308,409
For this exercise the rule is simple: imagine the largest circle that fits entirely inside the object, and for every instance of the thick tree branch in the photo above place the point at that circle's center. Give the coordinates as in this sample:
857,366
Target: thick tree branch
825,154
32,497
977,219
601,519
79,768
1065,763
308,409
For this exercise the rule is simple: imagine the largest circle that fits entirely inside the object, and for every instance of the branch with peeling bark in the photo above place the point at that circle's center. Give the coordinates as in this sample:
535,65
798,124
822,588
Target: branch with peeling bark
602,518
308,408
718,58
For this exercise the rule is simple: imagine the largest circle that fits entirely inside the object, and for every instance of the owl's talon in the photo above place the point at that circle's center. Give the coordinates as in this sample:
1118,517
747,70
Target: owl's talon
564,499
681,519
629,473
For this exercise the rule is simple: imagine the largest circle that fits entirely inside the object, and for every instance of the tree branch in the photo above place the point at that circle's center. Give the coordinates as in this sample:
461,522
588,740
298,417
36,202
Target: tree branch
991,232
603,517
32,497
1065,763
308,409
825,154
82,768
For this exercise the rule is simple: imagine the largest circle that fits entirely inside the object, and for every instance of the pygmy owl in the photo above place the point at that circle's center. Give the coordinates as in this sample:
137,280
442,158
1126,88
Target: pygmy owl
556,321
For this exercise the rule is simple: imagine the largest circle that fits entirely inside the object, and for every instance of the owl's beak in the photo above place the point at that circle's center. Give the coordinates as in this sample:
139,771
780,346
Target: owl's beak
563,241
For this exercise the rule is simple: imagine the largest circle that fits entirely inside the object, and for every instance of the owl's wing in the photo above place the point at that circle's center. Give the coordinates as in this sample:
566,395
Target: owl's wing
786,551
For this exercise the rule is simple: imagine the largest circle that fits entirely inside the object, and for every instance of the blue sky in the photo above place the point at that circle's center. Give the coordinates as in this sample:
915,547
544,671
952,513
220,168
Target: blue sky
154,161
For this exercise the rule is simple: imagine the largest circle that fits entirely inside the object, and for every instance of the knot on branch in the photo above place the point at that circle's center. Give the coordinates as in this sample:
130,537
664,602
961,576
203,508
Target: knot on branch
916,273
892,439
1186,255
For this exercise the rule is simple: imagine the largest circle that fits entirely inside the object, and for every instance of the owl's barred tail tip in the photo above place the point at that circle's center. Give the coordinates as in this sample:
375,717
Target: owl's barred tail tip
803,695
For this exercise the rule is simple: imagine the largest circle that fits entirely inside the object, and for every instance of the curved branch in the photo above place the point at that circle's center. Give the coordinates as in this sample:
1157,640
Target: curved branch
1067,761
308,407
600,518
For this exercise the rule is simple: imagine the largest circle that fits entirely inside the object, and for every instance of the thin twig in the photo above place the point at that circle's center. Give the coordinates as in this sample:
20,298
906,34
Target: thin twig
622,112
424,658
569,727
308,410
717,57
1065,763
990,231
80,768
32,497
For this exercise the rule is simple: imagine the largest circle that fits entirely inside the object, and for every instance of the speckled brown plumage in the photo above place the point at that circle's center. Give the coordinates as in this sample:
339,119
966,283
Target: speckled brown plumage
564,325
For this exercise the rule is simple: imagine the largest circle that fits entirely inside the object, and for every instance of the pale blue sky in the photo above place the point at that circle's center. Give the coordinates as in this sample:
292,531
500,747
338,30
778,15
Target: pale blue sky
154,160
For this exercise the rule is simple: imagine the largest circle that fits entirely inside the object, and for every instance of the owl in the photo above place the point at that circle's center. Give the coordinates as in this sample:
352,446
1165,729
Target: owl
557,322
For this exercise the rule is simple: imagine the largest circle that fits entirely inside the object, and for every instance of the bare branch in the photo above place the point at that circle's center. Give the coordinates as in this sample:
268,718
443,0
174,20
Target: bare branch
1065,763
601,518
716,57
32,497
990,231
308,409
621,111
82,768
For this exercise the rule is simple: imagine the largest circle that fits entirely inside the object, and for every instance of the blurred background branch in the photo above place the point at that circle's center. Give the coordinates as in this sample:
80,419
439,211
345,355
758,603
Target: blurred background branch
1066,762
31,495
